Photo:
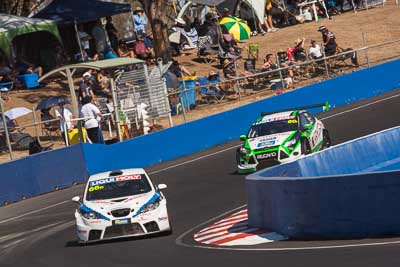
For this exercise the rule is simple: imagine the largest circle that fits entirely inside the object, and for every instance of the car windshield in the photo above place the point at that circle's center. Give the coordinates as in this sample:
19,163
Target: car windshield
272,127
116,187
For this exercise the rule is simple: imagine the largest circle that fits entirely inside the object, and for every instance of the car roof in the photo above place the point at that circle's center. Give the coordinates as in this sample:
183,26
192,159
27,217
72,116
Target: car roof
277,116
124,172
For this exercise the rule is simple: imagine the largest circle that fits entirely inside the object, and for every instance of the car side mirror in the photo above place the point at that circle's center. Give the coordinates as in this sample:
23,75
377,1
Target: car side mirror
242,137
161,186
76,199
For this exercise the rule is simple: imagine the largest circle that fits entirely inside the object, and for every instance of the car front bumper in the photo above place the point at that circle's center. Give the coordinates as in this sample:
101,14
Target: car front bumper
94,230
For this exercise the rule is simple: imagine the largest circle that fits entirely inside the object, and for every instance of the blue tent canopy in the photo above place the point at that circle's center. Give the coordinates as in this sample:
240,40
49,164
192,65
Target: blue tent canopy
68,11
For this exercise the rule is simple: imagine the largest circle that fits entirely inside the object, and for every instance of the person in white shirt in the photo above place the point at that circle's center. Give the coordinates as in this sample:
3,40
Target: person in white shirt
314,51
65,116
92,115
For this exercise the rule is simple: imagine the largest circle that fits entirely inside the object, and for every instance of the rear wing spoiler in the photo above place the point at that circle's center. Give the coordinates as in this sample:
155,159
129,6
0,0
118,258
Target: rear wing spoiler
325,107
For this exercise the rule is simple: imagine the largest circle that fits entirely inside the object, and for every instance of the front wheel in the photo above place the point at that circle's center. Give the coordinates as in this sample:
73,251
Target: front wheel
326,142
305,147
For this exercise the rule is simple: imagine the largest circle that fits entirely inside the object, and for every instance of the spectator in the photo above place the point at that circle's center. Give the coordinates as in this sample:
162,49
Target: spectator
99,35
269,63
179,70
141,50
209,28
104,83
84,38
25,67
123,50
214,83
225,13
268,17
285,62
92,115
229,70
299,52
112,33
140,21
314,51
329,40
86,86
65,116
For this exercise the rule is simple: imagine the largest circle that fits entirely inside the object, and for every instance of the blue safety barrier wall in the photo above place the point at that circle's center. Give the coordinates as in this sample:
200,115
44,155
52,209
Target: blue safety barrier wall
41,173
194,136
332,194
220,128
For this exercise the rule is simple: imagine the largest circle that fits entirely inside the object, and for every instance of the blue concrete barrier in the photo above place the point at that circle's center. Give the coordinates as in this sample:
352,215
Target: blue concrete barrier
207,132
332,194
42,173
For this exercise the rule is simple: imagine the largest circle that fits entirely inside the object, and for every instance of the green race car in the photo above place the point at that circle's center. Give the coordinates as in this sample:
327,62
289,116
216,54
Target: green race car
281,136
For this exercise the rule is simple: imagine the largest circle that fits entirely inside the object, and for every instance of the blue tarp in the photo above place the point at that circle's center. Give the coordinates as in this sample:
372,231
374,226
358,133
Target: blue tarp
68,11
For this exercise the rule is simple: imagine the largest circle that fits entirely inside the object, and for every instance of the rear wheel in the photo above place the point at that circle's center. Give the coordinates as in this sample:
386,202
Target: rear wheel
326,142
305,147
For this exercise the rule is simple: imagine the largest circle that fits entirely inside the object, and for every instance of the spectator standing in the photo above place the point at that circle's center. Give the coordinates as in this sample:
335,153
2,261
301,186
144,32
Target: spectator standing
140,21
65,116
86,86
268,17
92,115
329,40
84,38
112,34
100,37
314,51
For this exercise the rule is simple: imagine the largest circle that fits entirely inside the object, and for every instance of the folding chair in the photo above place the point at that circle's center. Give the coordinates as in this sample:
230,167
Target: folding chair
50,125
209,92
205,50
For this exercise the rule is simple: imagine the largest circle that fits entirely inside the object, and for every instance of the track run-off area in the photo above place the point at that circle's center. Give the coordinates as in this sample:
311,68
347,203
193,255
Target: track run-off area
203,189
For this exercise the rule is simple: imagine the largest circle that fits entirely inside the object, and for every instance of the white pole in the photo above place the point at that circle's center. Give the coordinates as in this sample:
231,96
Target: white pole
35,122
6,128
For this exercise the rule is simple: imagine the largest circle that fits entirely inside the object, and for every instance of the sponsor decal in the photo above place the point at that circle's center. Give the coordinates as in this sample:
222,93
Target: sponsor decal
163,218
128,177
116,179
82,231
119,222
283,118
292,121
266,155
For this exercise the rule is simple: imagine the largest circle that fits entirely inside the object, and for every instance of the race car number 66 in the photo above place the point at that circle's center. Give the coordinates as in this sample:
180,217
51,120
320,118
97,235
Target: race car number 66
95,188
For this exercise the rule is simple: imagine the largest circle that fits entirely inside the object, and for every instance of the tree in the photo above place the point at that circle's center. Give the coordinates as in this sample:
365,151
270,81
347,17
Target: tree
19,7
156,12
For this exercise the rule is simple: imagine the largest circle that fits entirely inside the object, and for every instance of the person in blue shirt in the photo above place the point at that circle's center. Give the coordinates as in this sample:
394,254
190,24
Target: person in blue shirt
140,21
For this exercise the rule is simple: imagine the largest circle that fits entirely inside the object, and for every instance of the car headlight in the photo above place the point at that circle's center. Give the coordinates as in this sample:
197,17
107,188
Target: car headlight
90,215
244,150
289,144
151,206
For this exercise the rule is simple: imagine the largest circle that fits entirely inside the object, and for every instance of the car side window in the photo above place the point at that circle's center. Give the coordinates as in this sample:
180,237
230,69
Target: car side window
303,120
310,117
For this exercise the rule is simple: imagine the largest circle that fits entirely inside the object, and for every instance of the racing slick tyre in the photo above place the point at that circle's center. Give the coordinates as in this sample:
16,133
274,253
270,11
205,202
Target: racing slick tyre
305,147
326,139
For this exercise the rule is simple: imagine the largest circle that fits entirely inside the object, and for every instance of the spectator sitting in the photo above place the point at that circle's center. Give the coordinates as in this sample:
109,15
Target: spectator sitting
214,82
299,53
104,83
123,50
25,67
315,51
210,28
179,70
269,63
229,70
141,50
285,62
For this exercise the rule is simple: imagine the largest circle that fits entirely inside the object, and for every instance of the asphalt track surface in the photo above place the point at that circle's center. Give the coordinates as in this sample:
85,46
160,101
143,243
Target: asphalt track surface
40,231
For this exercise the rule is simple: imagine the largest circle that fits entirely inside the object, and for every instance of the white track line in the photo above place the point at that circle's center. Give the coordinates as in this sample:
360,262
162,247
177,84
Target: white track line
199,158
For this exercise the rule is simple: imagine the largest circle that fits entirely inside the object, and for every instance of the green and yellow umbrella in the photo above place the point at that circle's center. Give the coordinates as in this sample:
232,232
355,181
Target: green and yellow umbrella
237,27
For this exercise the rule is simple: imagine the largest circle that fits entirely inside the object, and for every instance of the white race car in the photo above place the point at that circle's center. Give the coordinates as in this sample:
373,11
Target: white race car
120,204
